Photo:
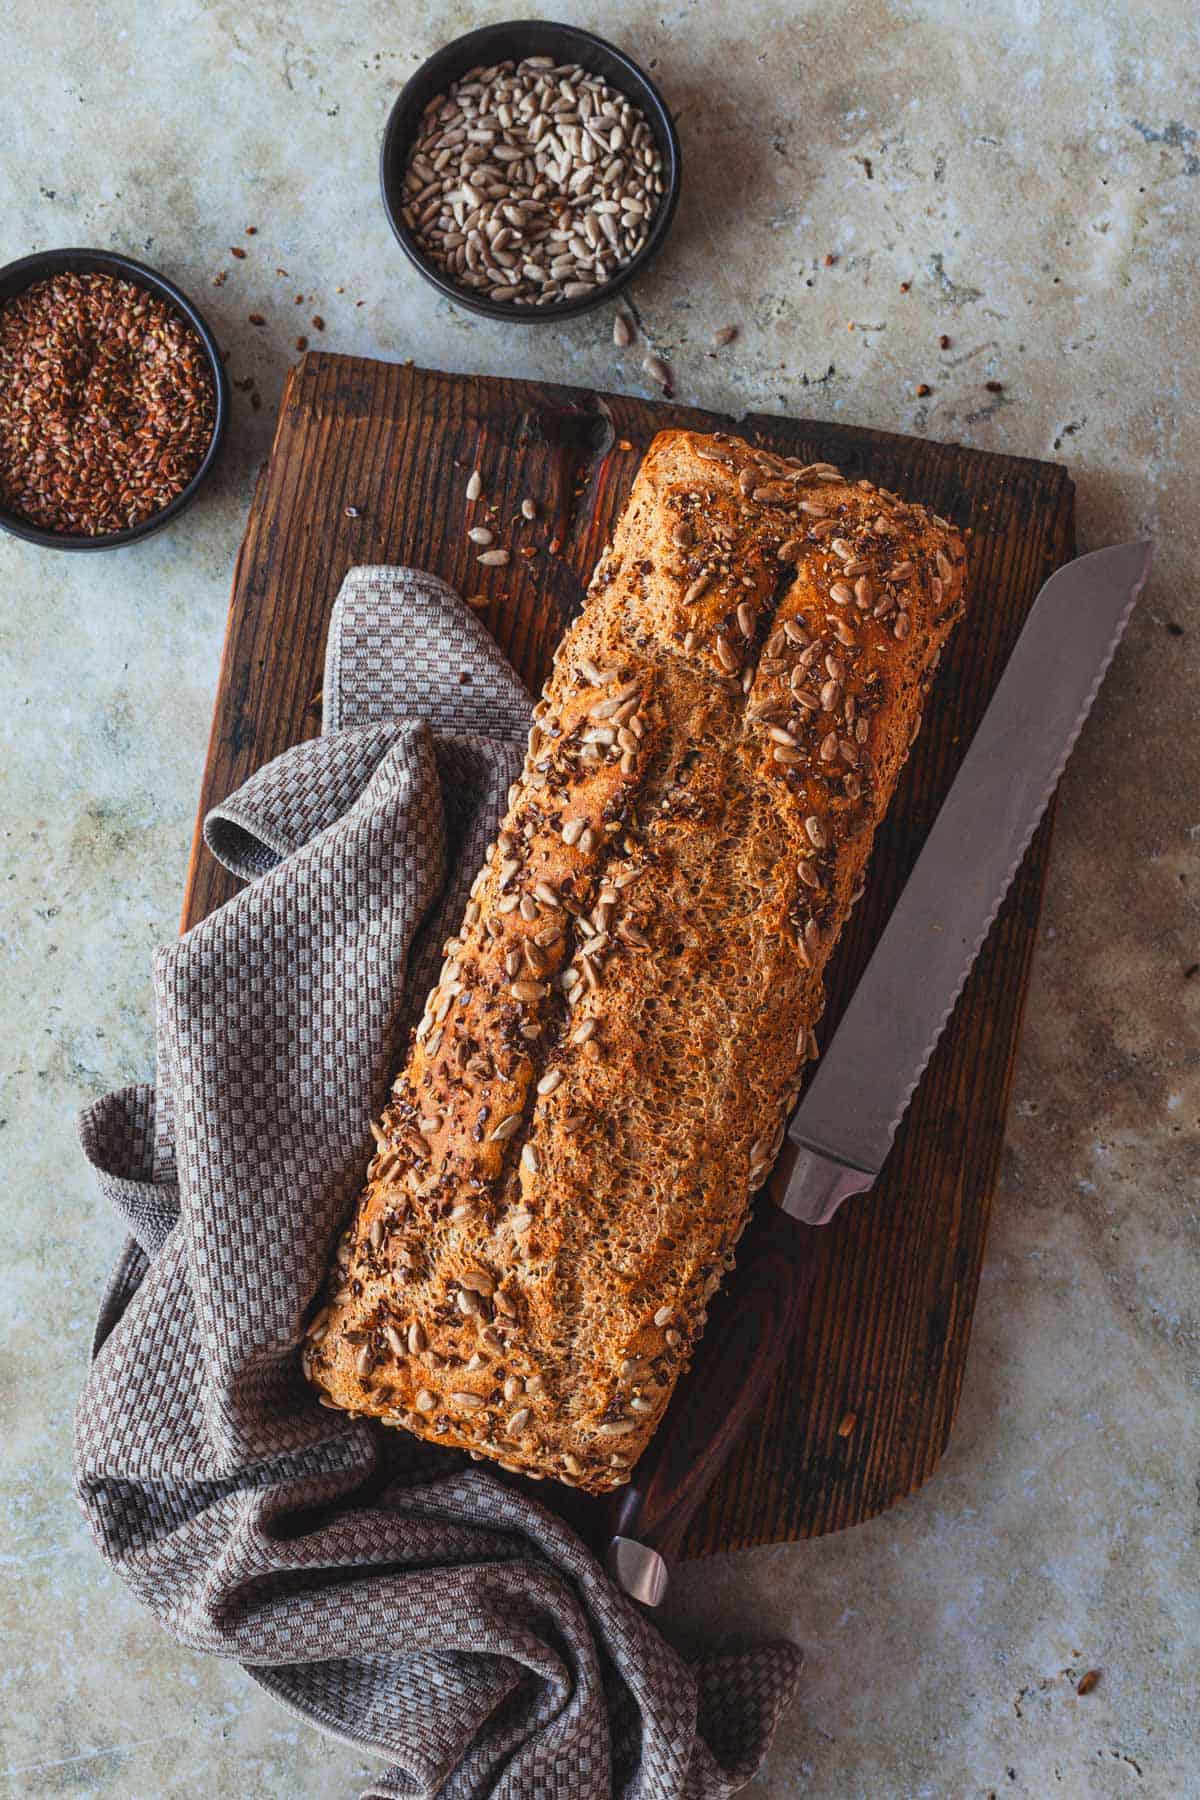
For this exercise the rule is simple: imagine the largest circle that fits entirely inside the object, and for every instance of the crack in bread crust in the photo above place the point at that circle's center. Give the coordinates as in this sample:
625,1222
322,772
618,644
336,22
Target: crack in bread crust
603,1073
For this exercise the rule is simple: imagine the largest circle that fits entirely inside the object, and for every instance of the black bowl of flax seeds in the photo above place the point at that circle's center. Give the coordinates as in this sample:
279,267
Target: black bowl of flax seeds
113,400
530,170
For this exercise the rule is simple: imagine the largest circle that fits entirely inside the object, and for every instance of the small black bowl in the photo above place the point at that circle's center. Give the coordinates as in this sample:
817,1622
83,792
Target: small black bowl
504,43
14,279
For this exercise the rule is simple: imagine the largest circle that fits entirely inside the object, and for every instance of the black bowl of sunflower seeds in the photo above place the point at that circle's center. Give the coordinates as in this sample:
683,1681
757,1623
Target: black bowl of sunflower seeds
530,170
113,400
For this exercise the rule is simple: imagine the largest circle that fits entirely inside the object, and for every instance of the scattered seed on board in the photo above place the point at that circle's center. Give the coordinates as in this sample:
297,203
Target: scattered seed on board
474,485
529,509
493,559
479,534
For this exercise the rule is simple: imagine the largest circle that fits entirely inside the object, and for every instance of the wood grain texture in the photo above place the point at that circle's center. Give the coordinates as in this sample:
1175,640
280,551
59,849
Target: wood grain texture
885,1334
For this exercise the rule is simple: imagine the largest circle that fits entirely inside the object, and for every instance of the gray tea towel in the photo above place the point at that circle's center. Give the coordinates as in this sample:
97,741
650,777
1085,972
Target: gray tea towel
408,1601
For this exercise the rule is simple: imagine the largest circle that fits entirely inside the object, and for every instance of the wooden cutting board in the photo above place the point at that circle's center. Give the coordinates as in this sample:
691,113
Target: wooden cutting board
369,465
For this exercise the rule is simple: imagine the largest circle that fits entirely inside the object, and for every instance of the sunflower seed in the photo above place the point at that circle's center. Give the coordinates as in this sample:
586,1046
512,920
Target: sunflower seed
807,871
622,330
657,370
474,485
698,588
791,758
902,627
616,1428
529,1159
727,656
529,509
841,593
417,1341
479,534
572,831
508,1127
791,551
467,1302
816,832
493,559
778,735
549,1081
364,1360
425,1401
462,1397
724,336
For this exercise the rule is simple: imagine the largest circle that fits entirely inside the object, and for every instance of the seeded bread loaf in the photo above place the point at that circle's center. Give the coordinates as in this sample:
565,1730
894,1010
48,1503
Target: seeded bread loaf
601,1078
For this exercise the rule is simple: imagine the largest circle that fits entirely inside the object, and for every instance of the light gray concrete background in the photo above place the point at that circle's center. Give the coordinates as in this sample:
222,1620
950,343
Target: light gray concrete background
1033,172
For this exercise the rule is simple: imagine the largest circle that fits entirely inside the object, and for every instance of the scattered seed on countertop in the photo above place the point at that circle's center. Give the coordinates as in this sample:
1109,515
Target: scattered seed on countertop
236,250
252,231
622,330
302,343
318,323
994,387
658,370
943,342
923,388
849,1421
256,319
724,336
1087,1682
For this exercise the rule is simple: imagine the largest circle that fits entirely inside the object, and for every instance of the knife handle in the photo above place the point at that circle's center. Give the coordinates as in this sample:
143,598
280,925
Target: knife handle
749,1327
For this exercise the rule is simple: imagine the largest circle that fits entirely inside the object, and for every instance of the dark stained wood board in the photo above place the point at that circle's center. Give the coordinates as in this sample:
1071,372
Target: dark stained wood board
887,1335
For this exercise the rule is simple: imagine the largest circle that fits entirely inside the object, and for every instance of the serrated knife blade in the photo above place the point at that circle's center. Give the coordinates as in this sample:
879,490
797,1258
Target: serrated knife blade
843,1128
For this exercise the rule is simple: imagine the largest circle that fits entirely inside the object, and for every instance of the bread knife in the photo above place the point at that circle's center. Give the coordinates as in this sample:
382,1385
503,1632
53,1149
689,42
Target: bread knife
840,1134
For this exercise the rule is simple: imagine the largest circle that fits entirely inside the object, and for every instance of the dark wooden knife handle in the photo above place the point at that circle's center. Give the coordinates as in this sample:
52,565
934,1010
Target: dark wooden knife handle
750,1325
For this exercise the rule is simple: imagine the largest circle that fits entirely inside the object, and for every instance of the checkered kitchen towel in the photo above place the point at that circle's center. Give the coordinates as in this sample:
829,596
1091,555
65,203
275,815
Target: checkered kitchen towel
407,1601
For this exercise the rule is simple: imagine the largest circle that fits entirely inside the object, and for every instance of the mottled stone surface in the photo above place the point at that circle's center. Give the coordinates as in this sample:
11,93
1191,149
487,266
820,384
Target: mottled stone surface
1033,173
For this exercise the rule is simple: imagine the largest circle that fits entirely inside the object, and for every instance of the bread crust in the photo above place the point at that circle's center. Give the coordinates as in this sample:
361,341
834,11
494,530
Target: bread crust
602,1076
